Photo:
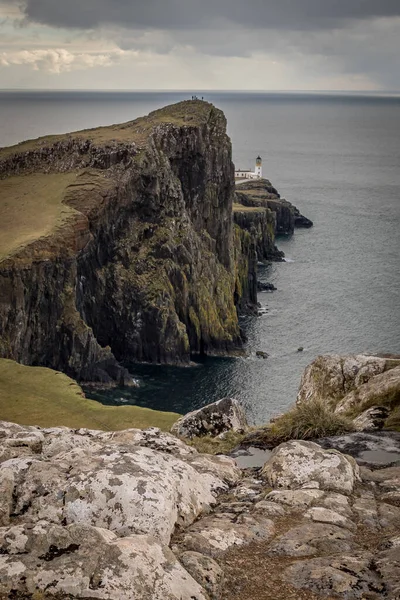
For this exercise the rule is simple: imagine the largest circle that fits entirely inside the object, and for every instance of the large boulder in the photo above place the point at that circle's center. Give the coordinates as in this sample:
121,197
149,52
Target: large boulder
296,464
347,576
384,389
81,561
132,482
332,377
216,418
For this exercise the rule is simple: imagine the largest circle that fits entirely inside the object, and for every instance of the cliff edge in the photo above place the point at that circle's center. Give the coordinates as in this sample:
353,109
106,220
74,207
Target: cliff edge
118,243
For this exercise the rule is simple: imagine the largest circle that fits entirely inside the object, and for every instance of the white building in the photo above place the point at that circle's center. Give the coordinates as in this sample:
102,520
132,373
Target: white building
247,174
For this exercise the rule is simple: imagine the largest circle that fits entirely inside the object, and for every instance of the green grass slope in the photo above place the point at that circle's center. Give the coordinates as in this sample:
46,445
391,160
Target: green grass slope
41,396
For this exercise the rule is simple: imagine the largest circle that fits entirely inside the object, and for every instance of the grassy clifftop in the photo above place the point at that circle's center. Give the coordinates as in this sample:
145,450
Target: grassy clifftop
136,131
47,398
47,184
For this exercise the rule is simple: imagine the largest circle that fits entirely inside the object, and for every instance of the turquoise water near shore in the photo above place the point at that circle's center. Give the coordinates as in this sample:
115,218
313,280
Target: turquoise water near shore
338,159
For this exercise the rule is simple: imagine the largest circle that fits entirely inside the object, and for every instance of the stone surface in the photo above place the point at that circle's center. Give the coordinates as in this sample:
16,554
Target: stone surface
372,419
206,571
320,514
298,499
378,449
217,534
388,566
296,463
332,376
80,561
115,482
348,577
311,539
269,508
213,419
377,390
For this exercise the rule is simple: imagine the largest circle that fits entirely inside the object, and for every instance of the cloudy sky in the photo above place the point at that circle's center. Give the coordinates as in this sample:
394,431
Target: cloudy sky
200,44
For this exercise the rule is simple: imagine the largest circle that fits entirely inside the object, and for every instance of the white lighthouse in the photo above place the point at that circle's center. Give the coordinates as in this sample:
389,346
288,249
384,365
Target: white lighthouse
241,174
258,170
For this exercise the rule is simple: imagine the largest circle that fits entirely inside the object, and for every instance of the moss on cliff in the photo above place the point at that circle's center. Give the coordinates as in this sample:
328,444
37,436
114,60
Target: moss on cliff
146,268
47,398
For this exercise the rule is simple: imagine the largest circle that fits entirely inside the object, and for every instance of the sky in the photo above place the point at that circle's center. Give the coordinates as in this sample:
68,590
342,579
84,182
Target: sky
351,45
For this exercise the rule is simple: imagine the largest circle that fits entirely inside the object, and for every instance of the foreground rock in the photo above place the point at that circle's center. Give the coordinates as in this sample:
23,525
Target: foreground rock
90,514
80,561
216,418
360,384
373,449
140,515
297,463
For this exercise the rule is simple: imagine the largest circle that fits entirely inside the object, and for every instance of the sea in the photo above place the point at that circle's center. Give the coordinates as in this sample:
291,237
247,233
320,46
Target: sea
337,158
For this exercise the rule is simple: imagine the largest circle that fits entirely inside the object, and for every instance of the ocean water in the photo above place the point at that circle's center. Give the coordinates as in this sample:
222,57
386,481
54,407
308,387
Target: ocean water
337,158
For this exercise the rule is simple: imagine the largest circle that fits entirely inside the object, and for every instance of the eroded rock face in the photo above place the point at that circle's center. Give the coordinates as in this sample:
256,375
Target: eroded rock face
118,483
348,577
381,388
90,514
216,418
81,561
332,376
296,463
205,571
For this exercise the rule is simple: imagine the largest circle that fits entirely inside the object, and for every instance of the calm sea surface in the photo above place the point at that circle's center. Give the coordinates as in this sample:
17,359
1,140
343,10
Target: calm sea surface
338,159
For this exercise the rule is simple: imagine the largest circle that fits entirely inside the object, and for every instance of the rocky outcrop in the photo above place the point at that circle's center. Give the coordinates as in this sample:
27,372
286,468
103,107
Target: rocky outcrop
364,387
139,514
145,264
213,419
260,193
261,224
296,463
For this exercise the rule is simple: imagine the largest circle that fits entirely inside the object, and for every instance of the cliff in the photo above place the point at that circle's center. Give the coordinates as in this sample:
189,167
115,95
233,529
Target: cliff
261,194
118,243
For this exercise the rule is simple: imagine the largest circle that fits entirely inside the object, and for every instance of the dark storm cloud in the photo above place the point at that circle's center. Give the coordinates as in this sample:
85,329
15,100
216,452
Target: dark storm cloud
202,14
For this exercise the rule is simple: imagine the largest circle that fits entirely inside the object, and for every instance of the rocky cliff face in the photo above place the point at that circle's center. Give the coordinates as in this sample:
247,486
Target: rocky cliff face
144,263
261,194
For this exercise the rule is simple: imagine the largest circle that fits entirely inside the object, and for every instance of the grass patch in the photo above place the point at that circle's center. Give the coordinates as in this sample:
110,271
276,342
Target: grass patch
211,445
41,396
31,207
393,420
187,113
242,208
311,420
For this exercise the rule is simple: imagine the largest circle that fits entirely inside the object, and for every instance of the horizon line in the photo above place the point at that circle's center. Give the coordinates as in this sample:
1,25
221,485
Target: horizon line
204,91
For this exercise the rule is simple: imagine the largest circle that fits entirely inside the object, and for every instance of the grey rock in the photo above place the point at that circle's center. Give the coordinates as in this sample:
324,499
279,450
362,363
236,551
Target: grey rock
206,571
213,536
115,482
370,449
331,377
80,561
296,463
213,419
348,577
311,539
372,419
388,566
297,499
325,515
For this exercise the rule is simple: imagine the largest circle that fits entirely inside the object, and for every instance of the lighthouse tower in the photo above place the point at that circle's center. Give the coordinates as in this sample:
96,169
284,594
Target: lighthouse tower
258,170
